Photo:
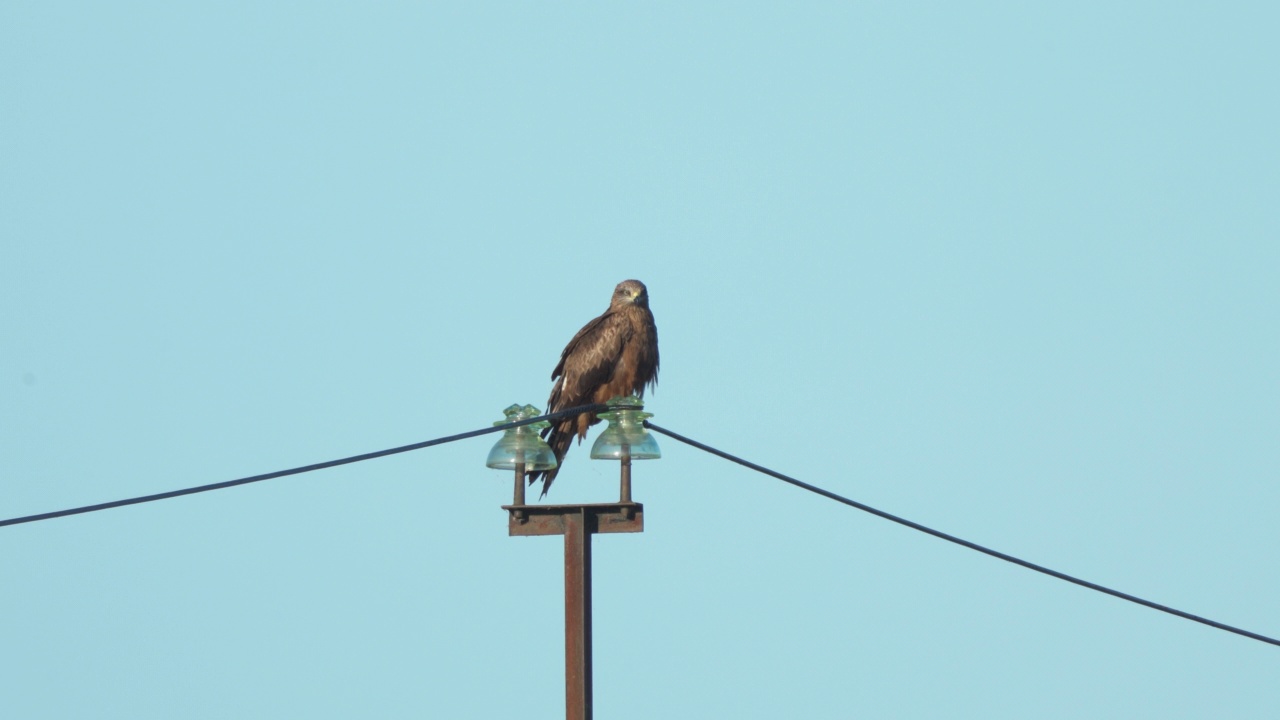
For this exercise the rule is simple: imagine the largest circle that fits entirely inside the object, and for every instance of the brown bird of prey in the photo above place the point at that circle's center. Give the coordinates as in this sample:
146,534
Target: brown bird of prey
614,355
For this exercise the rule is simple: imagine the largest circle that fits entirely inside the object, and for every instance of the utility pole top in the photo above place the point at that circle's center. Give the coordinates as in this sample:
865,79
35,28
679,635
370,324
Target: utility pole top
625,439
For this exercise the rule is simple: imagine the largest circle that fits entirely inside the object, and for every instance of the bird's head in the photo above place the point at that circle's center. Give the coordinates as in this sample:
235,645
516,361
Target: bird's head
630,292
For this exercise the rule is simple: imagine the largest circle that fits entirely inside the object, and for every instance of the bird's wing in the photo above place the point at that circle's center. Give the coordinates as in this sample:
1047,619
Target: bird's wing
588,361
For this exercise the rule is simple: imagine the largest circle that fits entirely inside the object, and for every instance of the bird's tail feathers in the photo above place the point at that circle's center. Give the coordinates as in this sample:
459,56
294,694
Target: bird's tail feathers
559,437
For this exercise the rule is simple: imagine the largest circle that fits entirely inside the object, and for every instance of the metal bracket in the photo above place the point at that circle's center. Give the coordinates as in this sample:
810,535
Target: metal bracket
626,517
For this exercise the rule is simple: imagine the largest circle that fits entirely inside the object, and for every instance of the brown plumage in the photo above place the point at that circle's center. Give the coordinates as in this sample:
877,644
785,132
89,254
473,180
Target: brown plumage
614,355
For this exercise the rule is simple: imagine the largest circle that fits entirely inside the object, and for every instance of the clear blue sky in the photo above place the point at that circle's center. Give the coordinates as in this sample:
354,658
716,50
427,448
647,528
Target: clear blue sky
1006,270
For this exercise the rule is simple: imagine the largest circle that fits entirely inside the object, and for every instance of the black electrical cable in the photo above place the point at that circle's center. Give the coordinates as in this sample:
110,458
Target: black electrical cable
961,541
299,470
688,441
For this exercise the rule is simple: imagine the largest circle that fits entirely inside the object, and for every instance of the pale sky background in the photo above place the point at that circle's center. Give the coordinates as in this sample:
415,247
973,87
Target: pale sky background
1004,269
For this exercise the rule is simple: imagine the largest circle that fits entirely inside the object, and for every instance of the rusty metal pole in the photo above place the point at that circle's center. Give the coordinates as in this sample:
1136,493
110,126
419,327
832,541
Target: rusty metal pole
519,497
518,500
626,474
577,523
577,617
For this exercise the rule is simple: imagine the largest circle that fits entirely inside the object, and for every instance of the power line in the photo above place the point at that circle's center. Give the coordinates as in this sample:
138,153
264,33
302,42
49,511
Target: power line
961,541
676,436
299,470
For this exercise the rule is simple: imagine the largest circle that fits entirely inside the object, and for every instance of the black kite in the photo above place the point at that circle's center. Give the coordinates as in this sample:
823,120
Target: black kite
614,355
